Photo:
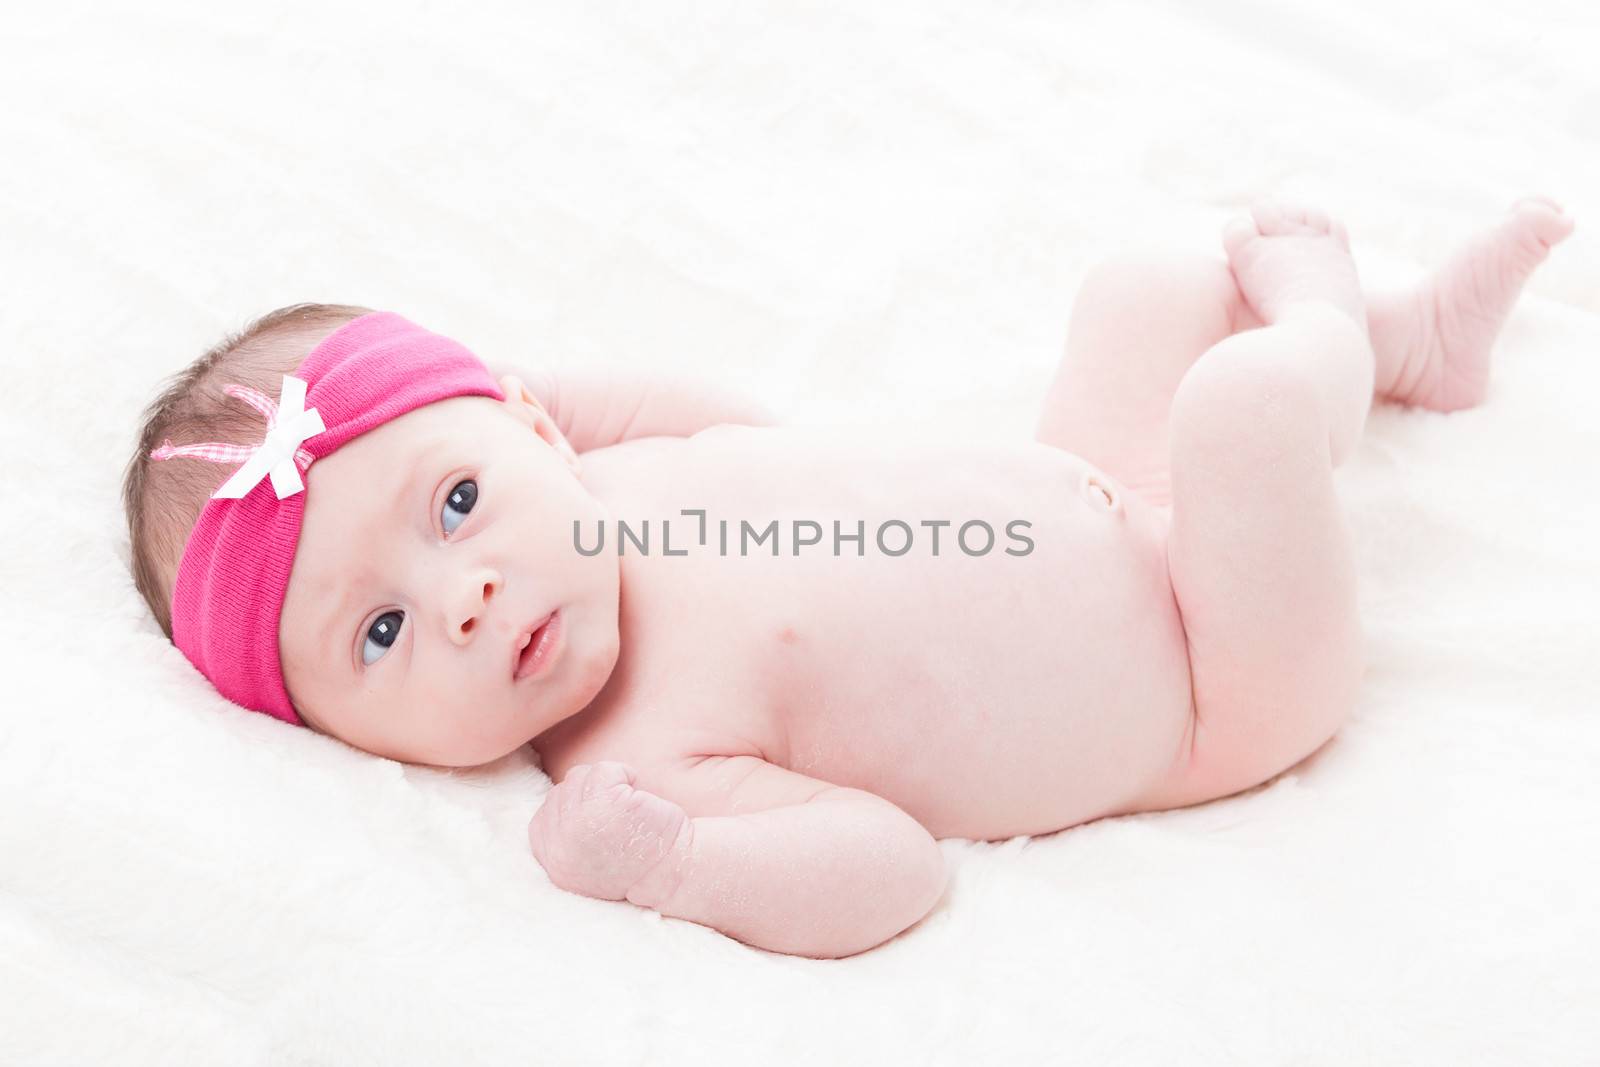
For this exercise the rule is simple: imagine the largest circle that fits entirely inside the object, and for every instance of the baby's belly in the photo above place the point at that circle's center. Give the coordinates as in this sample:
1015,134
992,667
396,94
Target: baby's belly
1000,695
989,688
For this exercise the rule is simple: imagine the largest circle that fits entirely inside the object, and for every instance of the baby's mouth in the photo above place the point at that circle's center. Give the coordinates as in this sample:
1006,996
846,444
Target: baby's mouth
537,648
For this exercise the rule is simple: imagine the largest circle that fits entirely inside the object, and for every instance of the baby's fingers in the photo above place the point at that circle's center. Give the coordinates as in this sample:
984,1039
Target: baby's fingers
602,776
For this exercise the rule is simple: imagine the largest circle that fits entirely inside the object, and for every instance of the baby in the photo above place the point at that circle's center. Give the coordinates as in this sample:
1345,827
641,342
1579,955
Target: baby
768,668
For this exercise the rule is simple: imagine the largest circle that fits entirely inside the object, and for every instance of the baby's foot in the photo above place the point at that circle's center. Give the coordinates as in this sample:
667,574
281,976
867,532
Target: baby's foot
1446,327
1283,255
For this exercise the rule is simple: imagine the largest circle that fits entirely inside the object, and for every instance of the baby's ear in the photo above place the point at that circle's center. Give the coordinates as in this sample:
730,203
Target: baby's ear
522,404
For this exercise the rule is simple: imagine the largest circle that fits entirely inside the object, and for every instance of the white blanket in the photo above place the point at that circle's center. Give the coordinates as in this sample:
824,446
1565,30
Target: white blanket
856,211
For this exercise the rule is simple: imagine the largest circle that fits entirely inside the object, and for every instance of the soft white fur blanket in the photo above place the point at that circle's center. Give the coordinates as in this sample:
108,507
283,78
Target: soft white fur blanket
856,211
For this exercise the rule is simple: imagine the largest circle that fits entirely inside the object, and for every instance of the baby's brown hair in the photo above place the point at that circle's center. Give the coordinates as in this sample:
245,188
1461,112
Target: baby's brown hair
163,499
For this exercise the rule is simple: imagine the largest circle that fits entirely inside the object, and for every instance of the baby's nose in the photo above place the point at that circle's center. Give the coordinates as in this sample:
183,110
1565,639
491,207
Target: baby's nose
473,601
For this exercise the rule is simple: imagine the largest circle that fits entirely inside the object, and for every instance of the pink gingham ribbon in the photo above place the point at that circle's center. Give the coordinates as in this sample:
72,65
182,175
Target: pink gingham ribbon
279,456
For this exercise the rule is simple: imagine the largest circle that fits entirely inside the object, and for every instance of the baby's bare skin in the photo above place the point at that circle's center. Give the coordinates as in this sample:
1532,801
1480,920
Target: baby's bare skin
1128,662
770,745
986,695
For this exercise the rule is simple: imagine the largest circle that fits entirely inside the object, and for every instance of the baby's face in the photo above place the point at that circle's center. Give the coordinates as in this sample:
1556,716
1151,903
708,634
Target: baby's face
430,548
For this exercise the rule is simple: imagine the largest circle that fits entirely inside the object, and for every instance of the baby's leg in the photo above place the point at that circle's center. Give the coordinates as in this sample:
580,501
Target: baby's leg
1258,552
1138,323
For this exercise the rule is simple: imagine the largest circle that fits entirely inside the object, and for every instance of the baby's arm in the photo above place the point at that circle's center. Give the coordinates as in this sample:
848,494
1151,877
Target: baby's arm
796,865
594,409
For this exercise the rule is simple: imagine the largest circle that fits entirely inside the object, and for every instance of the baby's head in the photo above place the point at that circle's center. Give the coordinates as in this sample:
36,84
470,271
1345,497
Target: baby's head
389,602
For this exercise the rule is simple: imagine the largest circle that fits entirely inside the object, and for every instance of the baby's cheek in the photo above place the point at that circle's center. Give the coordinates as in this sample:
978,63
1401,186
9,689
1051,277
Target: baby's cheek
456,723
301,687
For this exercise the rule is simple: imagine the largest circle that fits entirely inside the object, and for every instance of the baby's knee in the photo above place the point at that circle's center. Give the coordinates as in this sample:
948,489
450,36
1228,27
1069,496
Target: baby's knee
1246,395
1184,288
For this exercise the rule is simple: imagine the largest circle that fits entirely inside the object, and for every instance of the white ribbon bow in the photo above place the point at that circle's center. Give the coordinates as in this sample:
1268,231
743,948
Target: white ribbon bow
287,431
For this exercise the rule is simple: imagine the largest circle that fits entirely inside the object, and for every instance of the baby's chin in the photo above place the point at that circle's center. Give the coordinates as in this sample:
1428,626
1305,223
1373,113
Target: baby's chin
594,645
601,645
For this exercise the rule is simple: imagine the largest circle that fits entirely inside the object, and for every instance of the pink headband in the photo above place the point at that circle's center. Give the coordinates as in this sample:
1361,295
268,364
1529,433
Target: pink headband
235,567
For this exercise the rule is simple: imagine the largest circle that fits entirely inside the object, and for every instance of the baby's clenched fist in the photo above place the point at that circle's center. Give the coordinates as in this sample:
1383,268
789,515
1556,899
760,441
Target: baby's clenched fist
598,836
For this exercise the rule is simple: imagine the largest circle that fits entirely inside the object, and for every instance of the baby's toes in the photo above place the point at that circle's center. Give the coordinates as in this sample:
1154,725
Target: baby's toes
1237,233
1543,218
1285,218
1272,218
1317,219
1538,199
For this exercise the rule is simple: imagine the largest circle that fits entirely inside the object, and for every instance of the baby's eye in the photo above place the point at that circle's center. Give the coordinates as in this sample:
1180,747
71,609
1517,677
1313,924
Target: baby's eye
380,635
457,504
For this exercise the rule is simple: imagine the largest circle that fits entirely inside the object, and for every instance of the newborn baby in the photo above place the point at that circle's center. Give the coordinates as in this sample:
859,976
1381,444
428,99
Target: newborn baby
767,668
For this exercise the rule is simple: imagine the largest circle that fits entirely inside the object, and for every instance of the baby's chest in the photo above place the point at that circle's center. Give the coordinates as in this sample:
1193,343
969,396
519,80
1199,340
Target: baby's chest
994,627
982,697
784,655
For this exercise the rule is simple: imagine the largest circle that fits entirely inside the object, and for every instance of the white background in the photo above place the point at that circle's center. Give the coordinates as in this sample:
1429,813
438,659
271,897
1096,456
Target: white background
859,212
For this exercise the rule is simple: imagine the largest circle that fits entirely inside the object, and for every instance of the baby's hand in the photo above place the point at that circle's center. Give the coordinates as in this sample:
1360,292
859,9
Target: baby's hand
598,836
